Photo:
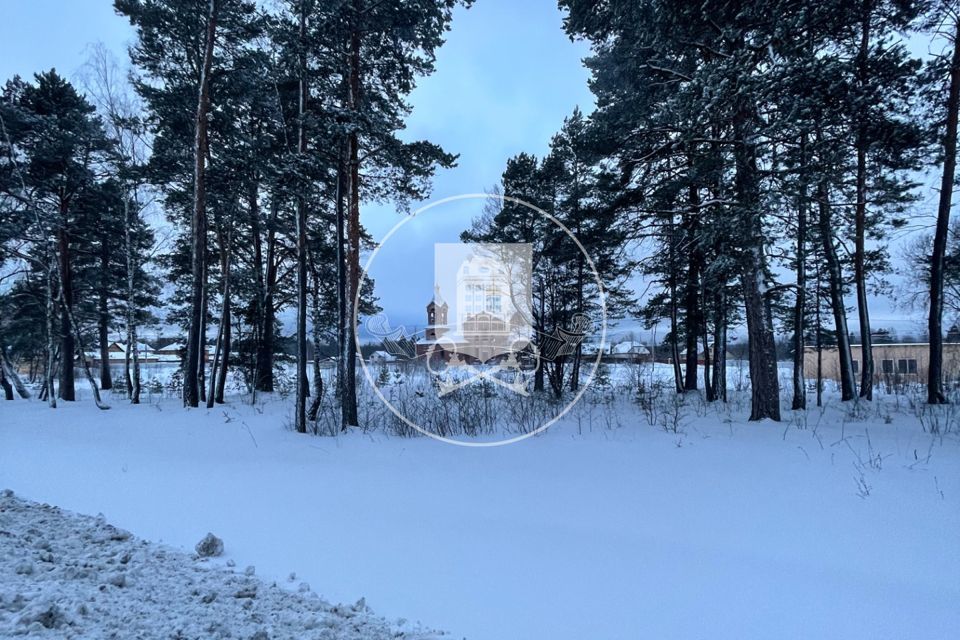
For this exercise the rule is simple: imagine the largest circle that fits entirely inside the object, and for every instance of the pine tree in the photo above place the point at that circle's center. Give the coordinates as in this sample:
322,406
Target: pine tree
945,17
54,129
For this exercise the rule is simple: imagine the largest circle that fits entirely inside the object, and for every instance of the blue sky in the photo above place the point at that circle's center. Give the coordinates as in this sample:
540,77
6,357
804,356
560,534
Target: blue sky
505,79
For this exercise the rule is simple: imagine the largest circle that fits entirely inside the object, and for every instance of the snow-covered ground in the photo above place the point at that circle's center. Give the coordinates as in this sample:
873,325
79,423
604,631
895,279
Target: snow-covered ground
64,575
678,520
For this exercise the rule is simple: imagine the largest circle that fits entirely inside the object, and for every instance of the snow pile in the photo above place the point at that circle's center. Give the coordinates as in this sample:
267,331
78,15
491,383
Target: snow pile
64,575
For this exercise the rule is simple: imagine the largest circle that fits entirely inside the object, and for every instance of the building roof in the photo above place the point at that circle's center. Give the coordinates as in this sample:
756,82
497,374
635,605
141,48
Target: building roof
141,346
629,346
437,299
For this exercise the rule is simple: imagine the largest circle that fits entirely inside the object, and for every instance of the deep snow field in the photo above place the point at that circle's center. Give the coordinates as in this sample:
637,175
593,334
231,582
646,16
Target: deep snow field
843,523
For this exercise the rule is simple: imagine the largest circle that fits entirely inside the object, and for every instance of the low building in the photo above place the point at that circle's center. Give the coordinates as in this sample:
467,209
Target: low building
381,357
627,351
702,356
895,362
171,352
117,353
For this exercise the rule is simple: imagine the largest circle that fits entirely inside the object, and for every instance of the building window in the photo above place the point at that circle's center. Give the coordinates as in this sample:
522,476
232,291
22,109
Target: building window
902,365
911,365
856,366
887,366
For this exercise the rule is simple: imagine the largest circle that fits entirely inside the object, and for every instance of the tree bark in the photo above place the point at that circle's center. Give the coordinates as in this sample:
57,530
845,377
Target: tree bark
103,314
49,370
265,348
133,380
799,382
317,320
692,315
226,323
300,412
341,251
764,383
196,339
935,393
221,355
848,388
707,383
348,399
67,390
860,218
720,345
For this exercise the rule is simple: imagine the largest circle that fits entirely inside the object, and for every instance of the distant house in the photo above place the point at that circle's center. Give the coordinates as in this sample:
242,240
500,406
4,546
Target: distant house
171,352
628,351
381,357
701,356
894,362
117,353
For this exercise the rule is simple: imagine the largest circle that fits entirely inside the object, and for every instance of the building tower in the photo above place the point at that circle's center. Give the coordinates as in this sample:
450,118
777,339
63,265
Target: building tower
436,316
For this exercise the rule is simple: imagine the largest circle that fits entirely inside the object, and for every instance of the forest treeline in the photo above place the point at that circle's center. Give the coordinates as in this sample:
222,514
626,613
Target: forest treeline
757,154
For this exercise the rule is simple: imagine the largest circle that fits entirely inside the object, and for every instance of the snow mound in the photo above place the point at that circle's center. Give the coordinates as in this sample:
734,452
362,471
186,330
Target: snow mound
64,575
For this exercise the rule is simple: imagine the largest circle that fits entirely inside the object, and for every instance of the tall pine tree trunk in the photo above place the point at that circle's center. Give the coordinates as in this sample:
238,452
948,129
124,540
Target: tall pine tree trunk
103,315
266,346
935,393
227,323
300,411
202,353
131,260
692,315
848,388
764,383
341,251
253,208
860,217
819,339
317,322
720,345
578,354
196,341
707,383
348,398
221,357
799,381
67,390
49,371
